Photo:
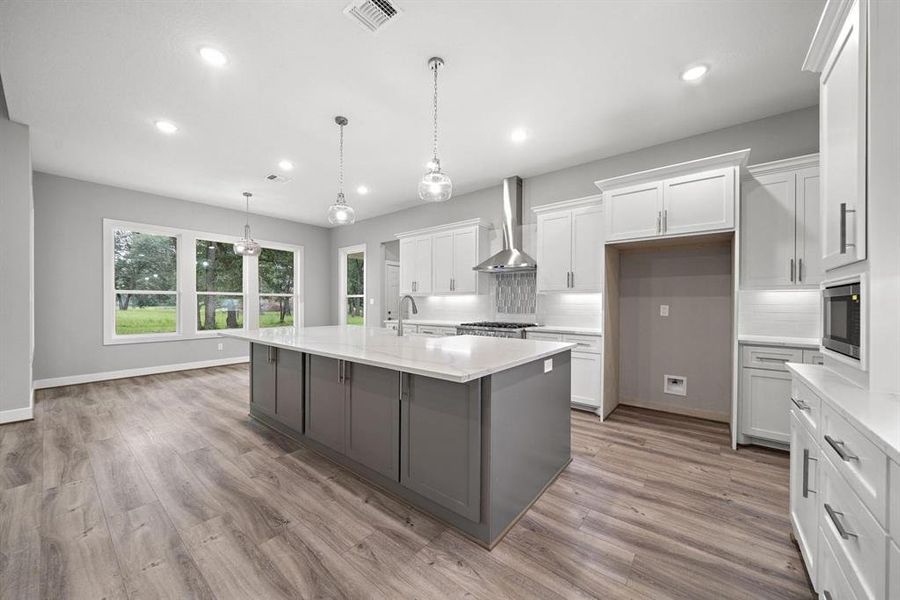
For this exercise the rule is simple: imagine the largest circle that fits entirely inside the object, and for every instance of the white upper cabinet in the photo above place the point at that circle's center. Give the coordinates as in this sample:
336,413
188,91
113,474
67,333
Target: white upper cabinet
838,52
780,224
688,198
439,260
570,246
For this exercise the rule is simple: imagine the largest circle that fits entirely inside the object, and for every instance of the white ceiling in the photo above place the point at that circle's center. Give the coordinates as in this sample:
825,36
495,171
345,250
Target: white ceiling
587,79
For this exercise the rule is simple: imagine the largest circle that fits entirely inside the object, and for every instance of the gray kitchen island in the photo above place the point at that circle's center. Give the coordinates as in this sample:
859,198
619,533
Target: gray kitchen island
470,430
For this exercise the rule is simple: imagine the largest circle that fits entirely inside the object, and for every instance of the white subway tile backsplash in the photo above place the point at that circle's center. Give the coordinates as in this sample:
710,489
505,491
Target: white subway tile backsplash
783,313
570,310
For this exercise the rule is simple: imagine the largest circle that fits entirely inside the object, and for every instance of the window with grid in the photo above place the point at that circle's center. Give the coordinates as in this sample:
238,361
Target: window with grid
220,286
355,286
145,267
276,288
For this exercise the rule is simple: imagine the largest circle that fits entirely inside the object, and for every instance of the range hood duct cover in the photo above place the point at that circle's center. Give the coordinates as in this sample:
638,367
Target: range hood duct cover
511,259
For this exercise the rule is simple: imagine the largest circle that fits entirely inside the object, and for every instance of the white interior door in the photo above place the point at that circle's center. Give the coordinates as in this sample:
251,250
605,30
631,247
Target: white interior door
554,257
809,246
699,202
633,212
465,256
442,247
768,217
842,141
391,290
587,249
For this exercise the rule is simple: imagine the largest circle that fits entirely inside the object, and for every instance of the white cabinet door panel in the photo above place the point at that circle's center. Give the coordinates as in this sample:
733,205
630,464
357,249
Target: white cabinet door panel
587,249
442,264
804,498
407,265
633,212
554,257
842,137
465,256
766,404
768,231
587,370
699,202
423,254
809,248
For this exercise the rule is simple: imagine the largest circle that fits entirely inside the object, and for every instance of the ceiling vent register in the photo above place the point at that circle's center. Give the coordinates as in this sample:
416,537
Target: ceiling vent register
372,14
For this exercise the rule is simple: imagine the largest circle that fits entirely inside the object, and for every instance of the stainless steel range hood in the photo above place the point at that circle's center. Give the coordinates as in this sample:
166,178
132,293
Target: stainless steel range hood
511,259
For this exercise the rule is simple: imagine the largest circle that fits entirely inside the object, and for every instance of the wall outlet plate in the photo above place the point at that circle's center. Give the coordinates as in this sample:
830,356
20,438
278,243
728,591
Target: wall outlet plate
675,385
548,365
664,310
221,346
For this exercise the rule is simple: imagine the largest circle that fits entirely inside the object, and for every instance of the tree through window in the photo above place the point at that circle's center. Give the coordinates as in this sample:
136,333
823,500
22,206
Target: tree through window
276,288
146,282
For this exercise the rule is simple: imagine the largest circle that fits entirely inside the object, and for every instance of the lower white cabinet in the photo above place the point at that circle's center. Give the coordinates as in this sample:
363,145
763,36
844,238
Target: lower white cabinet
804,493
894,571
765,392
586,366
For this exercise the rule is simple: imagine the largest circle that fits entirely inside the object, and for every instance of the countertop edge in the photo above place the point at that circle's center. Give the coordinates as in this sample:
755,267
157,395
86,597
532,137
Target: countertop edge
786,342
889,448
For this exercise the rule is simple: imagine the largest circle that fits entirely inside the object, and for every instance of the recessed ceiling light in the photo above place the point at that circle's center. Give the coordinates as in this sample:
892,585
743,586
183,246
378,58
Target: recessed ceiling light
695,73
362,190
519,135
286,165
166,127
213,56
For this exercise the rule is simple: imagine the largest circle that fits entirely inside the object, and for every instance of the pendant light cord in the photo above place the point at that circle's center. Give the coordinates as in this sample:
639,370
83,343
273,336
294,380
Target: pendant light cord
341,168
435,67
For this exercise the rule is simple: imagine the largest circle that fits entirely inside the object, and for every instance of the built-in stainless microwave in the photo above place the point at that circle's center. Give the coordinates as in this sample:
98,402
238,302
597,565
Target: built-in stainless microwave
841,319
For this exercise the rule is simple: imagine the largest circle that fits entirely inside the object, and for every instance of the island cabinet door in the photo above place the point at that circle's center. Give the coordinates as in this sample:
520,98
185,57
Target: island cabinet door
262,378
440,442
373,417
325,401
289,389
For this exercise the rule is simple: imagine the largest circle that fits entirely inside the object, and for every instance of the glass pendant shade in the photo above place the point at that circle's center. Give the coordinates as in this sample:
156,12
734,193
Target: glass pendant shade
435,185
340,213
247,246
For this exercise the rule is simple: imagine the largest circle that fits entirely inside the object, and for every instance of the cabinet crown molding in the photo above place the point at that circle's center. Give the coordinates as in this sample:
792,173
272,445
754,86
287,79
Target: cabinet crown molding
594,200
440,228
786,164
827,30
737,158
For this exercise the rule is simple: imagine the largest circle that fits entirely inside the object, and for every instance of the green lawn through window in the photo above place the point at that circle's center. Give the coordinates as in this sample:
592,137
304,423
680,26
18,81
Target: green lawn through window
162,319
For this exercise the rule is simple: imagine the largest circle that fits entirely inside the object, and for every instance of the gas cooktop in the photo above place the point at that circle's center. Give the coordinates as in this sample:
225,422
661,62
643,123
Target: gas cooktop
498,324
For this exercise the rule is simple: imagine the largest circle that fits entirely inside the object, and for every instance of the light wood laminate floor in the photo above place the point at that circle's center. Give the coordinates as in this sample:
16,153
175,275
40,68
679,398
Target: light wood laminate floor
161,486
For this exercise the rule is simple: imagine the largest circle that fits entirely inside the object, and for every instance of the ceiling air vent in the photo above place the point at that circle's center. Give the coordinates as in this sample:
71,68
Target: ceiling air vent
277,178
372,14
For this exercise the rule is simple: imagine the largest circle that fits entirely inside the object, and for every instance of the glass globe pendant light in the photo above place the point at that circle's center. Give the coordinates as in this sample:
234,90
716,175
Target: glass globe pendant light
341,213
435,185
247,246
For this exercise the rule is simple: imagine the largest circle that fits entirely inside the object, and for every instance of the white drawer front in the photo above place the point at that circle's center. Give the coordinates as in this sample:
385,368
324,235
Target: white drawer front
586,343
547,337
764,357
435,331
863,464
858,540
894,502
806,405
447,330
832,582
894,571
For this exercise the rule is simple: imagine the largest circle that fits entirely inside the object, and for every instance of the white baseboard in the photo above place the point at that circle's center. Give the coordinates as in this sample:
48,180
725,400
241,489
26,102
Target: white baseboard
16,414
90,377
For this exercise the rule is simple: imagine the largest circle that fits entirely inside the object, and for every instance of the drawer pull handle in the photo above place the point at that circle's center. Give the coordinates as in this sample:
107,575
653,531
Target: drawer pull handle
842,531
841,448
801,404
806,459
772,359
827,595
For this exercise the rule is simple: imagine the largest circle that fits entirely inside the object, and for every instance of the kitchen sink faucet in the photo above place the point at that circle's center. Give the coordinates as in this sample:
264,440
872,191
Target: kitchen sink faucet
415,311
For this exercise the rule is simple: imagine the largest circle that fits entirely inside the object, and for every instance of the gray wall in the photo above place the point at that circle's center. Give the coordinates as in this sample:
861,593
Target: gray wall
69,276
16,315
694,341
781,136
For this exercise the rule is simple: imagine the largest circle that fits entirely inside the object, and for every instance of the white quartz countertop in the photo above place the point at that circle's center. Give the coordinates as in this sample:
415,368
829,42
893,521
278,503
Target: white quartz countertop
771,340
458,358
567,329
875,414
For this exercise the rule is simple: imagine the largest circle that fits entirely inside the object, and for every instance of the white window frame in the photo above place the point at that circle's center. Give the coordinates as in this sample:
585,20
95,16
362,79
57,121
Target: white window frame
342,282
186,283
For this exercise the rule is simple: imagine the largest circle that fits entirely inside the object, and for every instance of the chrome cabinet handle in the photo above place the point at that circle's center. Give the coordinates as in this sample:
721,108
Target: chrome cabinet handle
271,354
772,359
573,279
658,222
844,211
842,531
841,448
827,595
665,225
340,371
792,270
806,459
348,368
799,270
801,404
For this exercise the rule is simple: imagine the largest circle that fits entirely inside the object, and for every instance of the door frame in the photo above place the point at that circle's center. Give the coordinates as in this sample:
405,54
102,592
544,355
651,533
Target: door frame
384,272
